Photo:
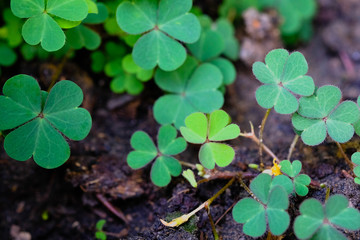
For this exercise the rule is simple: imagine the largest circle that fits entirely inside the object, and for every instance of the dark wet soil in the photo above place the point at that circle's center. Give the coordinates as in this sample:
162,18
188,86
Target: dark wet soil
96,183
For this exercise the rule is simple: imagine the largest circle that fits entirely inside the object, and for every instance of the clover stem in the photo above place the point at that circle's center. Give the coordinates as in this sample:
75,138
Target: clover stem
60,68
186,164
184,218
327,194
292,146
253,137
247,189
347,160
262,126
216,236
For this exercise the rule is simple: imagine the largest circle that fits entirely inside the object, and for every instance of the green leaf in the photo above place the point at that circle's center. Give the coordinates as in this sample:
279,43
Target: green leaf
100,235
100,224
145,150
327,232
283,181
27,8
189,175
73,10
219,128
321,103
168,143
291,169
196,128
251,213
301,182
8,56
338,213
210,45
227,70
194,91
155,48
126,82
42,28
226,29
260,186
282,74
219,153
163,168
137,17
82,36
313,130
99,17
278,218
355,158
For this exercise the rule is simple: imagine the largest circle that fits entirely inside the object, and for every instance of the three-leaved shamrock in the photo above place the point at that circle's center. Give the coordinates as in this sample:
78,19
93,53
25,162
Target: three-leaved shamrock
318,222
268,208
282,75
300,181
145,151
163,24
209,131
45,19
37,120
321,113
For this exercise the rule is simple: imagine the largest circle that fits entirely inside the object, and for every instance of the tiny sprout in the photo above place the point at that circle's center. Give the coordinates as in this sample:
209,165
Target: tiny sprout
189,175
253,166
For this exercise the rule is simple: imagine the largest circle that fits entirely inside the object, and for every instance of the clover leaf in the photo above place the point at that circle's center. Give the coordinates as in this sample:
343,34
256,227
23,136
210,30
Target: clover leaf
162,23
43,16
282,75
191,88
318,222
83,36
270,207
355,158
321,113
357,123
300,181
145,151
40,120
208,131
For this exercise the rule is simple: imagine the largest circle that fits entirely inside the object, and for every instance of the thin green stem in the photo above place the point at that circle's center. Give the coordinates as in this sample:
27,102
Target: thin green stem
262,127
327,195
186,164
216,235
292,146
347,160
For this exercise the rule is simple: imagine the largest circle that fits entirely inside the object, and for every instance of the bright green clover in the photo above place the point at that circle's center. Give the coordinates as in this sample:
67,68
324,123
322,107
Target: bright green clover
269,207
162,23
300,181
355,158
145,151
208,131
192,89
318,222
40,120
321,113
129,77
189,175
100,234
45,18
282,75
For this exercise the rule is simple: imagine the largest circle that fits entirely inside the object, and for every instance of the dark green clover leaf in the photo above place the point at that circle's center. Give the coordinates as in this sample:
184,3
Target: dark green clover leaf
270,208
40,120
145,151
321,113
355,158
208,131
8,56
282,75
318,222
192,89
300,181
163,23
82,36
357,123
44,18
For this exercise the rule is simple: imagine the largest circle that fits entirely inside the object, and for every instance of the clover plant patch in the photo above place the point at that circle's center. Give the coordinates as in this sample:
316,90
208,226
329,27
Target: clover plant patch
163,24
300,181
282,74
321,114
319,222
269,208
38,121
209,131
165,165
